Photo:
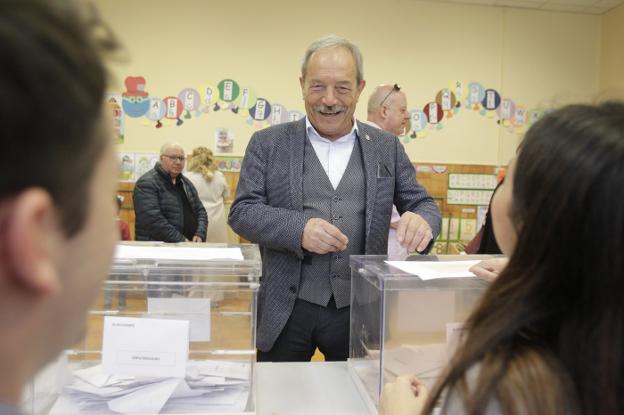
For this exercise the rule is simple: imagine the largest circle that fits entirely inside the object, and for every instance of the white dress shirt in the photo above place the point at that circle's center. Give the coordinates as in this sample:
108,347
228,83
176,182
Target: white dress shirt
333,155
374,124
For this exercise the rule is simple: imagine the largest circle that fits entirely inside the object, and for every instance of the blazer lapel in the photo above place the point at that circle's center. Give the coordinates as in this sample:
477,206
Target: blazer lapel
297,145
369,156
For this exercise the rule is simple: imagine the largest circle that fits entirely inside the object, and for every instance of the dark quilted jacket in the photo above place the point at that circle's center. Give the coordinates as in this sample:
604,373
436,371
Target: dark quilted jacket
158,208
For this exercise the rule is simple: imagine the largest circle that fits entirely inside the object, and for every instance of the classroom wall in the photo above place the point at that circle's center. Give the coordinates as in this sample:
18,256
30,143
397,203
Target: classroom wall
612,62
536,58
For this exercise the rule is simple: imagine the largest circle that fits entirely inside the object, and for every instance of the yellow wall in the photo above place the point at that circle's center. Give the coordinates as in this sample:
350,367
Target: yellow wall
612,64
535,58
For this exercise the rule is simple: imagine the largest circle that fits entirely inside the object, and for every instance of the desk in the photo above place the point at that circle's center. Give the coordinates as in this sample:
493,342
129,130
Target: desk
306,388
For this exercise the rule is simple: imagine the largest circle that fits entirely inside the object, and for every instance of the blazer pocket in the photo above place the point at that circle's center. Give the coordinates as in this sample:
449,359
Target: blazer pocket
383,171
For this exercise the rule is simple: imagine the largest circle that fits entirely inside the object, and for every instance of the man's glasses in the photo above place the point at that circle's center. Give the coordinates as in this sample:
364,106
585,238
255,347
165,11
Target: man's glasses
174,158
395,88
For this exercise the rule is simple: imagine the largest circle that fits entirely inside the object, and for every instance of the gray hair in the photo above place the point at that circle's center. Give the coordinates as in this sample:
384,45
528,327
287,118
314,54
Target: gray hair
333,41
168,145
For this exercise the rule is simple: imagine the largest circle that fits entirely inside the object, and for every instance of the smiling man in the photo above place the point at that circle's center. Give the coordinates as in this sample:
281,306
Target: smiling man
314,191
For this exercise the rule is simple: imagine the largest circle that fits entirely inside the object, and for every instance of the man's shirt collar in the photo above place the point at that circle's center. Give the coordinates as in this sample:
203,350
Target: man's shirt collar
313,133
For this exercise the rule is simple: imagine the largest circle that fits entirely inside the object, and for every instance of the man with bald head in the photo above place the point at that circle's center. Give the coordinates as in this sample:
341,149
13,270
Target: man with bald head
166,205
314,191
387,110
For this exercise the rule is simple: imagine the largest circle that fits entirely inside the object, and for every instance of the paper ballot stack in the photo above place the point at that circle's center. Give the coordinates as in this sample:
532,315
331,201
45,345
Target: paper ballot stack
209,386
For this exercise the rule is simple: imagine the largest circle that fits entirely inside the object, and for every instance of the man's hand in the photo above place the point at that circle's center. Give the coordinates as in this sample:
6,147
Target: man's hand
405,396
414,232
321,237
197,239
489,269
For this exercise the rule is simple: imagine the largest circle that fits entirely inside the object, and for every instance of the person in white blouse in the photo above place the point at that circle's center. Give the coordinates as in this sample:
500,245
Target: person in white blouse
213,189
387,110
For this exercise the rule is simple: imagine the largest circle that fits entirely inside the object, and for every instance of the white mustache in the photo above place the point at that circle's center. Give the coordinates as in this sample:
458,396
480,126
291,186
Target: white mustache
333,109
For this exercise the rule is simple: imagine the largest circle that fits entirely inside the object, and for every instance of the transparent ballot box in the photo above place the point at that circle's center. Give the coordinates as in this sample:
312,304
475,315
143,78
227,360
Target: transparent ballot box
404,324
173,331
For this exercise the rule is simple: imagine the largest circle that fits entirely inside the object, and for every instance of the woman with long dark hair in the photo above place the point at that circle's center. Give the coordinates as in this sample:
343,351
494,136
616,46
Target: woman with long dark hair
548,335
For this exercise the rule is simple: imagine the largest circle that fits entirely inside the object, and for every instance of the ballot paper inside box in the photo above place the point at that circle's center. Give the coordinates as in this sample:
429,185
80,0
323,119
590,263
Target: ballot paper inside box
192,310
402,323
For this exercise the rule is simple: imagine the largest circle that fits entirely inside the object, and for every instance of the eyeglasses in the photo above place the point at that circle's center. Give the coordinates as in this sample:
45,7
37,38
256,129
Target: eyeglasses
174,158
395,88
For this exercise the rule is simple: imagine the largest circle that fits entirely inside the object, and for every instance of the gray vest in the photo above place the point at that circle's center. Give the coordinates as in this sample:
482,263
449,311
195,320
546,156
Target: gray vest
325,275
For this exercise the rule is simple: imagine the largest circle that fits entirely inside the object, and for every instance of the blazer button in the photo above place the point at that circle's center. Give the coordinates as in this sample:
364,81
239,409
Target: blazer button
292,289
336,199
334,275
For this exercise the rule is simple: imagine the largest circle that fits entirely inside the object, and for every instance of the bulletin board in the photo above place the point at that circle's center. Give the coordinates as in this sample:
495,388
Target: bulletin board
462,192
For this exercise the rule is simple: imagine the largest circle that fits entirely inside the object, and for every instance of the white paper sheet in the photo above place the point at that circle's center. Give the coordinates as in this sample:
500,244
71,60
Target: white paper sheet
132,395
93,375
145,347
183,390
177,253
432,270
195,310
231,400
227,369
148,400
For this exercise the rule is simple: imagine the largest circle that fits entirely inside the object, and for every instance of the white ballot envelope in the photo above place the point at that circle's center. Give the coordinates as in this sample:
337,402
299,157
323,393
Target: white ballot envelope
145,347
432,270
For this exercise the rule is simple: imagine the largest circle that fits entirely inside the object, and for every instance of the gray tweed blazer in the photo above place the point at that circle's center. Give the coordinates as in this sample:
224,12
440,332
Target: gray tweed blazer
268,209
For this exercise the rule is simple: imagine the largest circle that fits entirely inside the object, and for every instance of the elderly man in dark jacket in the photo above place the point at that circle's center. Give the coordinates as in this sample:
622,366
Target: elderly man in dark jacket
166,204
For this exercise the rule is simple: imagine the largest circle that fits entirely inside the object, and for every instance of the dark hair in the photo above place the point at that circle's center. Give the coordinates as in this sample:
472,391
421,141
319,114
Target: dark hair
52,84
488,243
548,335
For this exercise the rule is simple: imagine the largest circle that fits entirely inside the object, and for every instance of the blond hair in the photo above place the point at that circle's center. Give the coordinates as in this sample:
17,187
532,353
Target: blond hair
202,161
